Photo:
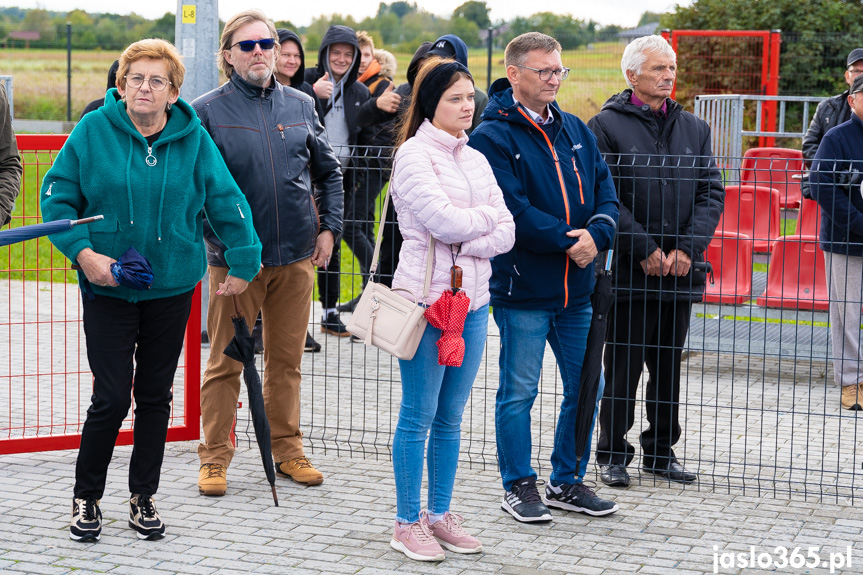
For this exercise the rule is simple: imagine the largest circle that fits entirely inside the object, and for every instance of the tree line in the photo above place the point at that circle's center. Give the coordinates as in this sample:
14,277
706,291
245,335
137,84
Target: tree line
399,26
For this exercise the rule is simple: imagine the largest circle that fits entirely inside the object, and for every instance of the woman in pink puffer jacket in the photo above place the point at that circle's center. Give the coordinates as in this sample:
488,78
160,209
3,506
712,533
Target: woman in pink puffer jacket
445,189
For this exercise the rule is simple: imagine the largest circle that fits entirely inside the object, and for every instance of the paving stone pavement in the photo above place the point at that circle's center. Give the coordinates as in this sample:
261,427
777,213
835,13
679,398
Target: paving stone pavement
760,493
344,525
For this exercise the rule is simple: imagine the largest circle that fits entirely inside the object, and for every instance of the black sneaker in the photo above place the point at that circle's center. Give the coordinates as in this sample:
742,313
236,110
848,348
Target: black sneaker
524,503
311,344
334,326
349,306
578,497
86,520
144,518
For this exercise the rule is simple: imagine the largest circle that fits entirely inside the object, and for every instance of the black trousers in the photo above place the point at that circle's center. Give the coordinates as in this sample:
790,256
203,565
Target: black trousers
360,218
639,333
117,331
391,244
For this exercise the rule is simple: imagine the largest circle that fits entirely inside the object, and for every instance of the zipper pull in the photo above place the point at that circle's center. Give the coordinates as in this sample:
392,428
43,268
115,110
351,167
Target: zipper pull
282,131
151,159
241,212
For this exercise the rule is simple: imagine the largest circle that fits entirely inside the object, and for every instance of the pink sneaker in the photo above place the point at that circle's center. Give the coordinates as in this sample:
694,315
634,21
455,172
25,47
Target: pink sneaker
449,533
415,540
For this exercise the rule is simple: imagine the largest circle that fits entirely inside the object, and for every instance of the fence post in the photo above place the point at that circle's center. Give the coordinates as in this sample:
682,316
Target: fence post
197,37
68,71
488,68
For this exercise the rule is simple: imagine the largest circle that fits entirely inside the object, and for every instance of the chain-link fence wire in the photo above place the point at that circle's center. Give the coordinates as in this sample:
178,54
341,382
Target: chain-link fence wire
759,407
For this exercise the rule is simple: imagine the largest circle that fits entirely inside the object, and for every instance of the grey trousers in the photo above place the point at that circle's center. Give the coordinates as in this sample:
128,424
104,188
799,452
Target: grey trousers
844,280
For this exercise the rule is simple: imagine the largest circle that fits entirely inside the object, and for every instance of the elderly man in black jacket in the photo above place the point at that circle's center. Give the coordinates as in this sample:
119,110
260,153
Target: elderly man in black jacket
278,152
671,197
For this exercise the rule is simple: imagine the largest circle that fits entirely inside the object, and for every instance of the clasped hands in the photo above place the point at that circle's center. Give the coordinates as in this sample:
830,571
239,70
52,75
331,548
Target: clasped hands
676,263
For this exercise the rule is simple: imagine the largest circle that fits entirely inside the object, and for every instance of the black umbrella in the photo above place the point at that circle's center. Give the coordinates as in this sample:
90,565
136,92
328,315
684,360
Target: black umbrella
601,299
242,349
23,233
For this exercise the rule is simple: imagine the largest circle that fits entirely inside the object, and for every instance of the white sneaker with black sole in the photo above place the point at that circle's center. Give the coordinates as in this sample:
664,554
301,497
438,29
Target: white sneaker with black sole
86,522
523,502
578,497
144,518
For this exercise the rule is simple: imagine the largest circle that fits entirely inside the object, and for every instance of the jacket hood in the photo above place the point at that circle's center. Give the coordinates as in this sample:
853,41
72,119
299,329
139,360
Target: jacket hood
182,121
286,35
414,66
112,75
339,34
622,103
450,46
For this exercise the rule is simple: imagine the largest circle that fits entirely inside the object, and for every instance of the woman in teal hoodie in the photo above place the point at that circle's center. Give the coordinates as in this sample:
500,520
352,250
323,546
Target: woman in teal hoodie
144,162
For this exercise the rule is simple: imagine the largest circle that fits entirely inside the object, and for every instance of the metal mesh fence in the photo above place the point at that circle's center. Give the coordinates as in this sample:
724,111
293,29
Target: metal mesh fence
759,409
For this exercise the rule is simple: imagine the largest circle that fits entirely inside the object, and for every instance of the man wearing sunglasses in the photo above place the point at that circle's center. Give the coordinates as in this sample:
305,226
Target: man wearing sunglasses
278,152
334,80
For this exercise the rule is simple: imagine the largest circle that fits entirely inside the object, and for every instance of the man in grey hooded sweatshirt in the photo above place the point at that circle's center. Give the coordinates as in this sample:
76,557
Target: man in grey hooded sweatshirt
334,81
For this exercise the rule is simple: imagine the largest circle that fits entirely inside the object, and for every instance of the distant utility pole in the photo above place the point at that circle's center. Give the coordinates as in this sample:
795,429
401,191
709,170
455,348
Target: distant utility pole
197,38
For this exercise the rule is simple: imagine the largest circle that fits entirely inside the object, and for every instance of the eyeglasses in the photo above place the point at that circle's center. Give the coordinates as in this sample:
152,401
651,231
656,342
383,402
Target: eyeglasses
545,75
156,83
249,45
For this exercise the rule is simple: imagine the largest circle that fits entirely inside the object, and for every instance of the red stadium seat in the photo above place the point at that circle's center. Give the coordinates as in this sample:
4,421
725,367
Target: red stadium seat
796,277
809,219
752,211
775,168
730,255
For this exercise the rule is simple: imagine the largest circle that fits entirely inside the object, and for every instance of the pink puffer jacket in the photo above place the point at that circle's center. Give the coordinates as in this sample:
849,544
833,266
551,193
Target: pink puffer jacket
441,186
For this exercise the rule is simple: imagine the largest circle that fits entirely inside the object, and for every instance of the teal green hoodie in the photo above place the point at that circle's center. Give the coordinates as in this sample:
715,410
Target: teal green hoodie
153,199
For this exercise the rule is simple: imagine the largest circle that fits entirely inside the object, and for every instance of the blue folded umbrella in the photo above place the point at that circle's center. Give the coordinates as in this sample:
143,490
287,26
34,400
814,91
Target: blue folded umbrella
24,233
133,270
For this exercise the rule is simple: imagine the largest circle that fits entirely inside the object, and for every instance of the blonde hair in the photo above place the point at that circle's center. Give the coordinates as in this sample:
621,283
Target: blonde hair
236,22
155,49
387,61
364,39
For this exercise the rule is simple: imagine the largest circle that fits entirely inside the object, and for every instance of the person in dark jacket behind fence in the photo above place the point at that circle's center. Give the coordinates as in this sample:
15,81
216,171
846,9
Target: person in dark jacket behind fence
671,197
334,80
553,180
836,179
829,113
277,151
372,161
10,161
112,83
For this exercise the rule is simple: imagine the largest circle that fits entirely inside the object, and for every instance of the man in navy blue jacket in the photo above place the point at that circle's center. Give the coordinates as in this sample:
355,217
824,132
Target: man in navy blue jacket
553,180
836,181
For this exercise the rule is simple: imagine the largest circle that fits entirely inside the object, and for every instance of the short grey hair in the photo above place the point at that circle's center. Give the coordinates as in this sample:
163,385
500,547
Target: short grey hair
520,46
635,54
233,24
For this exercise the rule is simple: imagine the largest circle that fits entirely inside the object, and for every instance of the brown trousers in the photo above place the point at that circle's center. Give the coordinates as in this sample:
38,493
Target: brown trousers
283,296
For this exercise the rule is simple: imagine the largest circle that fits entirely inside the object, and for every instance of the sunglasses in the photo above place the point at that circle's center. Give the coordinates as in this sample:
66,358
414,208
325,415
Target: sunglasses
249,45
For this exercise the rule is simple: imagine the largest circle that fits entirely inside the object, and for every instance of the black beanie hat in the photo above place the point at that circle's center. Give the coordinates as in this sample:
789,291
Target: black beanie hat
434,85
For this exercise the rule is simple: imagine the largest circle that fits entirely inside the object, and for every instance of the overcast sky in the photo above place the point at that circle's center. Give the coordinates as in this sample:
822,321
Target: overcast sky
621,12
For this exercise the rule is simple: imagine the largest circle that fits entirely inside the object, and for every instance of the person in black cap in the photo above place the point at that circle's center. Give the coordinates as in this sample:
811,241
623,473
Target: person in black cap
831,112
835,178
451,46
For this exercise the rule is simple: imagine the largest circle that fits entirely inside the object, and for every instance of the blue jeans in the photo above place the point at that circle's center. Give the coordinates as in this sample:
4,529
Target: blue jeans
433,400
523,334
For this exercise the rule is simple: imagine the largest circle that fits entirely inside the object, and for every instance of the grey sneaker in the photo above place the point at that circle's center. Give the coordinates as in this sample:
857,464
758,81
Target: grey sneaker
578,497
524,503
86,520
144,518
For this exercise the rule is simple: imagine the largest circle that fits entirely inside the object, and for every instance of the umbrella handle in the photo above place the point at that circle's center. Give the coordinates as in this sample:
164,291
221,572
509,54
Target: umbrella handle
86,220
238,311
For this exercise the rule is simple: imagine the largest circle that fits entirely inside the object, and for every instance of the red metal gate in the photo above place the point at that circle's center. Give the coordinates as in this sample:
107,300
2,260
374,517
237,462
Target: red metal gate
45,381
728,62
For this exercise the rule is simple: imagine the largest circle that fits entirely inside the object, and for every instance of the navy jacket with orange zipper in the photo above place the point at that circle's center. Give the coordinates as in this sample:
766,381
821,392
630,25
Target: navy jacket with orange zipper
551,185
